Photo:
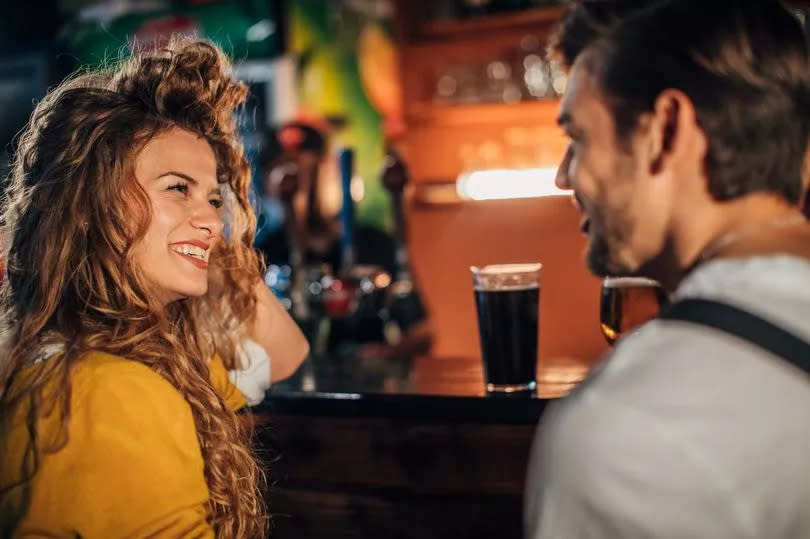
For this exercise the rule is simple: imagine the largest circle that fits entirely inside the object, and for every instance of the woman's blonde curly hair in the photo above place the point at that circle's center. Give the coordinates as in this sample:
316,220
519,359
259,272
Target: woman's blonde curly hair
73,215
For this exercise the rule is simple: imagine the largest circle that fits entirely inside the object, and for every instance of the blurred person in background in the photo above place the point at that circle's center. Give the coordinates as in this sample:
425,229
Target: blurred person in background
688,123
131,287
299,151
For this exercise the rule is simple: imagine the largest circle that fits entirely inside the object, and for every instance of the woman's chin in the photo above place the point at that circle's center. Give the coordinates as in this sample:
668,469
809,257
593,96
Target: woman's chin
196,291
171,296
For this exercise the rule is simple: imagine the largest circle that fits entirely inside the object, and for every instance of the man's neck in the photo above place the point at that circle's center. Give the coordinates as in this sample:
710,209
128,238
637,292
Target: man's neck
756,224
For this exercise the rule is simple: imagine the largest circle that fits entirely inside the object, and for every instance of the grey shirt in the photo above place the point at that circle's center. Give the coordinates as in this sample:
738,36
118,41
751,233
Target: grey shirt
682,431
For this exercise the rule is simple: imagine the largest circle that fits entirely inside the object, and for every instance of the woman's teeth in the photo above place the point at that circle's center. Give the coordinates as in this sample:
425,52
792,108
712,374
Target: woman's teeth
191,250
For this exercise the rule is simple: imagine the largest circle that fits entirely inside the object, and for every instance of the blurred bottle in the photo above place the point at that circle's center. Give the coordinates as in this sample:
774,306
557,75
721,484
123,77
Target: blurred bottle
285,183
403,304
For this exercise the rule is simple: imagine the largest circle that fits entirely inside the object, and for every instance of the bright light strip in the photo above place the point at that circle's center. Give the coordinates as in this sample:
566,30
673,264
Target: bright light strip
499,184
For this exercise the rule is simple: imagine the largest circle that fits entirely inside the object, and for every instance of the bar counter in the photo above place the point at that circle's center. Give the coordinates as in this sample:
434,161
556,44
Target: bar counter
400,448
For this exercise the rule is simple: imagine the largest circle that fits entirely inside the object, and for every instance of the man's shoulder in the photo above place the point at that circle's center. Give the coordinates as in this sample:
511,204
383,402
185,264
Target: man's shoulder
671,358
686,381
682,414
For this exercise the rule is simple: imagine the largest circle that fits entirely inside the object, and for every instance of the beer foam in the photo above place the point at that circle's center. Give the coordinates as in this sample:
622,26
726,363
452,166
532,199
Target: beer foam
506,287
500,269
626,282
506,277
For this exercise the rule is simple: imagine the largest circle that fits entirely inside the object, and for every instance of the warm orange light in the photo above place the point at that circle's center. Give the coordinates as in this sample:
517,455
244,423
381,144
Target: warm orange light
503,184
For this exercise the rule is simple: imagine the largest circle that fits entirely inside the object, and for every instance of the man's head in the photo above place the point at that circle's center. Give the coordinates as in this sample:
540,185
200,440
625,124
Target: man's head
676,111
584,22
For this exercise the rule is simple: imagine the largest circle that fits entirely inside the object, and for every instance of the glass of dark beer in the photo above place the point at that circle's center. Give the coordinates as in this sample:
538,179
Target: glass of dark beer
627,303
507,298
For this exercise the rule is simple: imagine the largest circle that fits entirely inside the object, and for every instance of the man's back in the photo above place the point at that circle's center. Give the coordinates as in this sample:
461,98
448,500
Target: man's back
684,431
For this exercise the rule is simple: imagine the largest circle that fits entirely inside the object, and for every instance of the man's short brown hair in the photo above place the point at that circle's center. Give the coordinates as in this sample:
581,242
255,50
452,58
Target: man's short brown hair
584,22
744,66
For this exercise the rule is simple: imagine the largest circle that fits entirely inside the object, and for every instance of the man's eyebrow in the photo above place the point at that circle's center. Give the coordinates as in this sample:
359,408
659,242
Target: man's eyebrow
189,179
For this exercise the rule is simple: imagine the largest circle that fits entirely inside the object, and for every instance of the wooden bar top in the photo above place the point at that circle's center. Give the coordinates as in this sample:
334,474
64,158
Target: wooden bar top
424,388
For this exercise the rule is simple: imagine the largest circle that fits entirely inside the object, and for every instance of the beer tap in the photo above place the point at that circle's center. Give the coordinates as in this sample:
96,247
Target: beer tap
346,166
286,183
403,303
354,300
339,301
394,179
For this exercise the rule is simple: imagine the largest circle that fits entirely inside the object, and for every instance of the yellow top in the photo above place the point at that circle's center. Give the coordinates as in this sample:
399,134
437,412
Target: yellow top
132,466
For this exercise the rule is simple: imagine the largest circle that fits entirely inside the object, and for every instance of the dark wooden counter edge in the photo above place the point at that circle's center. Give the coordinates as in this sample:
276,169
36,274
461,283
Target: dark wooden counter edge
509,410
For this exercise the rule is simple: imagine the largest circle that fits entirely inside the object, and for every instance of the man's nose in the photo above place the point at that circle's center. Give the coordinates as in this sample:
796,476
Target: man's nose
562,180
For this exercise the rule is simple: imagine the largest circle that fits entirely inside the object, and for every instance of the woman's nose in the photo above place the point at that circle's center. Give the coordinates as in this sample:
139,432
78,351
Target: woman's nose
207,218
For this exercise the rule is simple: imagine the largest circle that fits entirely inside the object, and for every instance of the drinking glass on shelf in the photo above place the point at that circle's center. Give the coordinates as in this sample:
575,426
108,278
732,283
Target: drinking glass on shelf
627,303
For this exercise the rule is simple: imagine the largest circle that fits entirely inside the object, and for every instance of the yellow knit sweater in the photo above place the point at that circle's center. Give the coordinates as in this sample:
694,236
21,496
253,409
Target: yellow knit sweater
132,465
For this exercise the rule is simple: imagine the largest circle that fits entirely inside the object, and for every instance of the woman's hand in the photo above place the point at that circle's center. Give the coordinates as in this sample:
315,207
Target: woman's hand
275,330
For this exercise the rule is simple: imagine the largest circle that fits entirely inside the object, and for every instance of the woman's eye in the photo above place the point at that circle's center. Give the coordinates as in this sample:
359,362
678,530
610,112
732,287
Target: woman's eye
216,202
179,187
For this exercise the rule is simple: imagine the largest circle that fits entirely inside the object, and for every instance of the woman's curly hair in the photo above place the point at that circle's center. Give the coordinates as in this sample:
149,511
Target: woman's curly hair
73,216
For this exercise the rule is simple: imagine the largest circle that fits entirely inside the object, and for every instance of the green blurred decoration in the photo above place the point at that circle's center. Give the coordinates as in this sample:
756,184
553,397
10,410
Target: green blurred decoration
244,28
347,73
348,80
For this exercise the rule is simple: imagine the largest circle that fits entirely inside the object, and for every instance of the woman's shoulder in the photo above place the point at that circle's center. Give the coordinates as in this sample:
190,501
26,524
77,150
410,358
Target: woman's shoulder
110,394
131,461
101,373
124,393
99,365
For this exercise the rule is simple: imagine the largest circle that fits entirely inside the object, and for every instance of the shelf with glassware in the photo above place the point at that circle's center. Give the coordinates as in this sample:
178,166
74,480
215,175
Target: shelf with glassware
538,111
445,142
492,113
503,69
437,20
479,94
445,28
489,59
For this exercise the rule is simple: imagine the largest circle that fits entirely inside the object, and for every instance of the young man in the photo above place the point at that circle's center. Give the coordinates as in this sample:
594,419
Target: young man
689,124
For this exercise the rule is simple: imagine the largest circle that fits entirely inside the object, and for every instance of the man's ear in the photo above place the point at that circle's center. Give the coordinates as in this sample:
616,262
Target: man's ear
665,127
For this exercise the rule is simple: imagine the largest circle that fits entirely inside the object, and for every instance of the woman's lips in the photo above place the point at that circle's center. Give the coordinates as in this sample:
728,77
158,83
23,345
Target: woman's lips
202,264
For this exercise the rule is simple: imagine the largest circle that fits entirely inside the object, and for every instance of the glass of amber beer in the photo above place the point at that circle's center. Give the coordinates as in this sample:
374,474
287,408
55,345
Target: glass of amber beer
507,300
628,302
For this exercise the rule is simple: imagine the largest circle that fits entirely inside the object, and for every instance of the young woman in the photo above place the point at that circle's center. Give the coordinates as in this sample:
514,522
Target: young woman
130,288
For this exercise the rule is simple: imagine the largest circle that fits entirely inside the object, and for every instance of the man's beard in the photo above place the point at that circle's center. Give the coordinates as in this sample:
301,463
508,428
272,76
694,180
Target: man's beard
604,242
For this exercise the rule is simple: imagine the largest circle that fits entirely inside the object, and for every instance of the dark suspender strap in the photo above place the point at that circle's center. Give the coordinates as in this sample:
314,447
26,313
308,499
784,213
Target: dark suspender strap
744,325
